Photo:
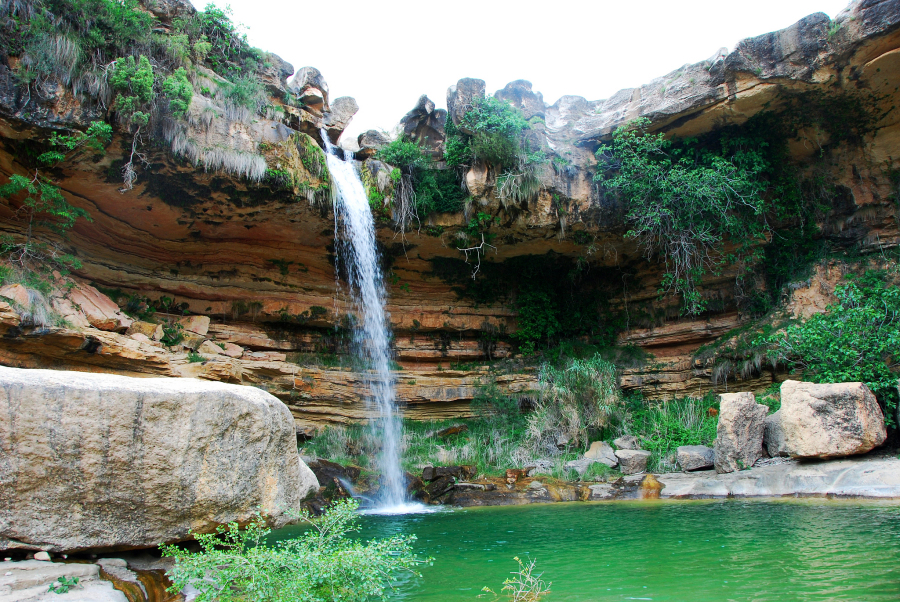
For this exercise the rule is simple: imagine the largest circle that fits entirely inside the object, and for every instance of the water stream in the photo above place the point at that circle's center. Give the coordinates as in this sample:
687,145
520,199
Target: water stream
357,249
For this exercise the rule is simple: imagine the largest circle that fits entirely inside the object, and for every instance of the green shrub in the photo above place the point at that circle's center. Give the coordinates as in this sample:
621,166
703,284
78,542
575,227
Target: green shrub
497,138
133,80
664,426
855,340
685,203
179,91
575,401
323,564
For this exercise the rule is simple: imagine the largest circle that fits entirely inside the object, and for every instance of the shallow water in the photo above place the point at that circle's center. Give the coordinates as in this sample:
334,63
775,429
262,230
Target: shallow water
685,551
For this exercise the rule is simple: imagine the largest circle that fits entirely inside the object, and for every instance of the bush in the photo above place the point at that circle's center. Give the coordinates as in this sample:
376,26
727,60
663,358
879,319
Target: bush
664,426
574,402
323,564
685,203
855,340
179,91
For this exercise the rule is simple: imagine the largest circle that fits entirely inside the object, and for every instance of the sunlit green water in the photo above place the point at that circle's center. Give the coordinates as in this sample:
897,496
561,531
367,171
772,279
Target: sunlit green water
685,551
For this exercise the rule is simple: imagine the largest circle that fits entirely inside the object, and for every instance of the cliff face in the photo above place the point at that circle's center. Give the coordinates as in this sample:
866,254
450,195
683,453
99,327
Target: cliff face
230,216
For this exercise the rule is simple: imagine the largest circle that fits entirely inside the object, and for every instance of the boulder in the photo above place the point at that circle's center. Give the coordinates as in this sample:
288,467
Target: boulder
196,324
830,420
99,309
232,350
581,465
461,97
627,442
601,451
739,434
520,95
209,348
695,457
463,473
338,118
148,329
370,142
112,462
632,461
310,88
437,488
773,436
425,126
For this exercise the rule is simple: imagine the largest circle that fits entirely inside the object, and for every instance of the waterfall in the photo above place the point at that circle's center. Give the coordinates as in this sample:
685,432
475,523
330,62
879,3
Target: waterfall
354,229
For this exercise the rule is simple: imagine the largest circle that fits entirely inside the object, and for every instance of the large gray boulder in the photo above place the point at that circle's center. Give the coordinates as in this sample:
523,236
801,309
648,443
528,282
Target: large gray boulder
100,461
461,97
601,451
739,435
424,125
695,457
632,461
773,437
830,420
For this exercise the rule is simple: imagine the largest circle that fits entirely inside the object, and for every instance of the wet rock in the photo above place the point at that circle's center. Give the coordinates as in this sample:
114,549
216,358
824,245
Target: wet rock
601,451
830,420
437,488
627,442
464,472
106,461
773,436
695,457
632,461
327,471
739,434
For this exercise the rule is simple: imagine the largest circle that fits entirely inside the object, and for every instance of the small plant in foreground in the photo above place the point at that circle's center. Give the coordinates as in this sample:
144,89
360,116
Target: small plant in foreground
323,564
524,585
63,584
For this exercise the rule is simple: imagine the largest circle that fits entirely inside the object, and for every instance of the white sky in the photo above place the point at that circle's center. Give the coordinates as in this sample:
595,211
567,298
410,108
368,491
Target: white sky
386,53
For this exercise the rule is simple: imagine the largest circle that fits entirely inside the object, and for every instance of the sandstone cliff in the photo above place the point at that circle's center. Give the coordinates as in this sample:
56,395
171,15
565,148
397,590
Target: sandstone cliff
229,218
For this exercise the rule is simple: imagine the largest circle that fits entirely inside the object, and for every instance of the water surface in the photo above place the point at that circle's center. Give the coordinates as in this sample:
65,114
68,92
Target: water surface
685,551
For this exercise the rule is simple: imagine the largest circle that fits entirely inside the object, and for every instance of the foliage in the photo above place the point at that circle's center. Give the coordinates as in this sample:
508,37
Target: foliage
179,91
497,137
43,204
663,427
574,401
195,358
404,154
423,188
63,584
134,82
686,204
855,340
524,585
323,564
173,334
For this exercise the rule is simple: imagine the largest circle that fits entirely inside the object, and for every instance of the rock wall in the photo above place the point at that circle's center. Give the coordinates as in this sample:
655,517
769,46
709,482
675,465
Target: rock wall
256,257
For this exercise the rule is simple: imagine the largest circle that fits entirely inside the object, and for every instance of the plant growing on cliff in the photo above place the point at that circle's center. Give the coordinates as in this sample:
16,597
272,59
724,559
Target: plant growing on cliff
574,400
323,564
686,205
43,204
855,340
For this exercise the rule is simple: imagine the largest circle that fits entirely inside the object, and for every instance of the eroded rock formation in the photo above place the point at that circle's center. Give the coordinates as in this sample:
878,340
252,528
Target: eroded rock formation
253,248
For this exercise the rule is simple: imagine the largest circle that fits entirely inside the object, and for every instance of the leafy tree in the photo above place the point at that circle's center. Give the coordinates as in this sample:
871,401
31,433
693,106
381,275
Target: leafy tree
323,564
686,204
856,340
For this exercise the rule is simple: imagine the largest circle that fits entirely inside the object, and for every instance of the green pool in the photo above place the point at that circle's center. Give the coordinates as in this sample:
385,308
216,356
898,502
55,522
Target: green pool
681,551
686,551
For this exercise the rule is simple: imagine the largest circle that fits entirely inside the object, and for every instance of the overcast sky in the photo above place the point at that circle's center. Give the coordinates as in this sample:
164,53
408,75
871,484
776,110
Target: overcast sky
386,53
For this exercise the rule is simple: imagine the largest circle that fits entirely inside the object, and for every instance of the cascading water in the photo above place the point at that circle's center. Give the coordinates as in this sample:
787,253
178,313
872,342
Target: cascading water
355,236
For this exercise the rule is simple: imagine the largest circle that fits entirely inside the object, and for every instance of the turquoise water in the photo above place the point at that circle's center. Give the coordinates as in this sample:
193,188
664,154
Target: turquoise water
686,551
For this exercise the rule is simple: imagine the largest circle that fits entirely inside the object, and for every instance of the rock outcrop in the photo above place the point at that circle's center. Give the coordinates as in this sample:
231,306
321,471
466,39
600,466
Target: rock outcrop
632,461
829,420
30,581
739,434
601,451
773,436
96,461
695,457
